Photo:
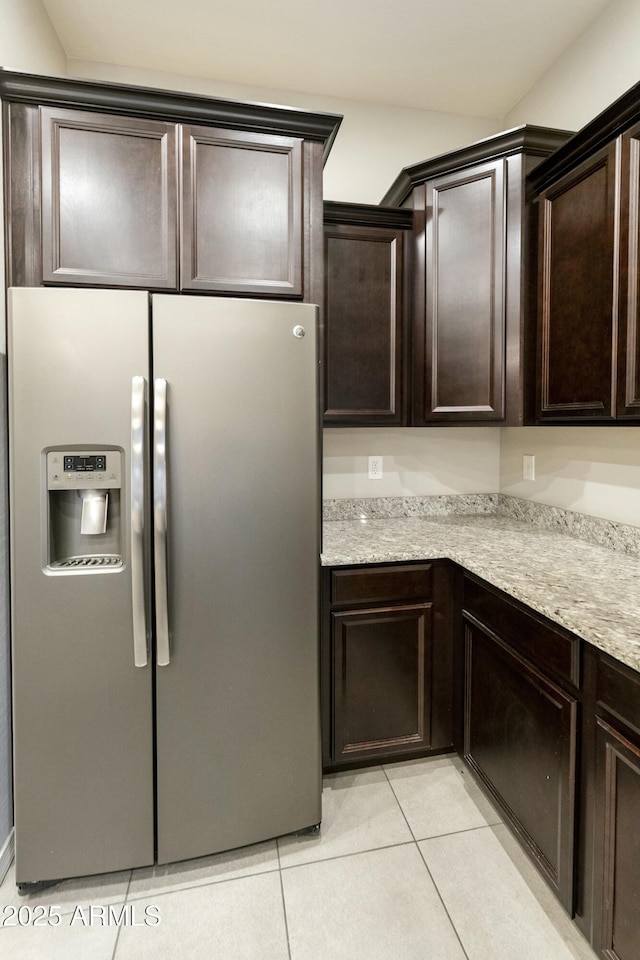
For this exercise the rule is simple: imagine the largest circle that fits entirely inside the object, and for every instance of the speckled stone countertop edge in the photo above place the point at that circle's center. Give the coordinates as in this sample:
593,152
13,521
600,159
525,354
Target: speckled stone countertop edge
592,591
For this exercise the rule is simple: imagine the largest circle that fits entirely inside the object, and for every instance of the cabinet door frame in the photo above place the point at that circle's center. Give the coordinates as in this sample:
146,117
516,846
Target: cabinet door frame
628,393
52,121
395,411
191,276
560,877
427,405
613,749
422,614
596,408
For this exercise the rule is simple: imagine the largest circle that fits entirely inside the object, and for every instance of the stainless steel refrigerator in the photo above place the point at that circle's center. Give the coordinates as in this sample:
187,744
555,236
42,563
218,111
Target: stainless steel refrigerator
164,563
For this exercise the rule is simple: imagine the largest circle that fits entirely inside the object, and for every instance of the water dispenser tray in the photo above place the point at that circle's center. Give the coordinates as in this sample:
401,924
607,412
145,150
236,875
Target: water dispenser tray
101,560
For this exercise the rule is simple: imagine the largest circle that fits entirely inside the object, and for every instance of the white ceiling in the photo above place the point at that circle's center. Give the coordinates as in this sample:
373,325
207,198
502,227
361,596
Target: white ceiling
471,57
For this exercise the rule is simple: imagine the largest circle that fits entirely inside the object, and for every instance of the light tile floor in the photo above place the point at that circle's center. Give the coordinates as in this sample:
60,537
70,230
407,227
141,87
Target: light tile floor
412,863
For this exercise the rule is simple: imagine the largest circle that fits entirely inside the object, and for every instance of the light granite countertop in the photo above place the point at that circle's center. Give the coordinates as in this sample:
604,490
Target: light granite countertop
591,590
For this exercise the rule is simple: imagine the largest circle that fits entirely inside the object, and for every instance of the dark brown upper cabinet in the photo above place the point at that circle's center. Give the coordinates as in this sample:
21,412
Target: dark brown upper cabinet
109,199
366,317
242,208
578,293
471,248
588,343
628,369
459,346
127,186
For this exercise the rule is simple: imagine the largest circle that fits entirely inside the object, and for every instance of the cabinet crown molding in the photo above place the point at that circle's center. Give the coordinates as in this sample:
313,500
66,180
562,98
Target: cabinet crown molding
605,127
365,214
171,105
532,140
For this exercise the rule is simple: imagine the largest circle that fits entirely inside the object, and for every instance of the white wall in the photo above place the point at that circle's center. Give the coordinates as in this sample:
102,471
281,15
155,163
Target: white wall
27,39
374,141
594,71
417,461
593,470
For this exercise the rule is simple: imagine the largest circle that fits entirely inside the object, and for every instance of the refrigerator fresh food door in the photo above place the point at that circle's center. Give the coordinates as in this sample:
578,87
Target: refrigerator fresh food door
238,742
83,738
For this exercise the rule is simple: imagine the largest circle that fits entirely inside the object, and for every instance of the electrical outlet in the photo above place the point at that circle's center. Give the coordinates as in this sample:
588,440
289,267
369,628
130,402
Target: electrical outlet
375,468
528,467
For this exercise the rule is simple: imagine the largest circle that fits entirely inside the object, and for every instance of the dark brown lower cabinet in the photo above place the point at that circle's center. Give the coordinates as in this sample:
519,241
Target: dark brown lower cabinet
422,658
387,663
381,663
520,735
617,813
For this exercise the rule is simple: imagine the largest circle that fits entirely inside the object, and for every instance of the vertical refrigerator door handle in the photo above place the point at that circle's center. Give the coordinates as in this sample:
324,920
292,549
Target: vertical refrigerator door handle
138,397
160,521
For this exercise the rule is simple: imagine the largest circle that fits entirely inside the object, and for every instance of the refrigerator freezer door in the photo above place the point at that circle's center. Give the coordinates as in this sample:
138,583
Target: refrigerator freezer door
238,744
82,710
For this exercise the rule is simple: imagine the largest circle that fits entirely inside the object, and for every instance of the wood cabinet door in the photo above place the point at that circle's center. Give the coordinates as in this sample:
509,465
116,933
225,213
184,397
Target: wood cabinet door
618,800
242,210
364,325
628,399
381,681
459,341
578,308
520,739
109,200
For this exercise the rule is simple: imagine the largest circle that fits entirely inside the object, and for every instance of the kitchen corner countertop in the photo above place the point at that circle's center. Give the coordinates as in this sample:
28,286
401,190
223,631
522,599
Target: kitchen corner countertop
592,591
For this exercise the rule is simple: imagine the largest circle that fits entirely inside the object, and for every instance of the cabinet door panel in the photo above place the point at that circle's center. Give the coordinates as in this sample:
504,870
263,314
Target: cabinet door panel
578,294
242,212
381,670
459,373
109,200
619,803
364,325
629,337
520,738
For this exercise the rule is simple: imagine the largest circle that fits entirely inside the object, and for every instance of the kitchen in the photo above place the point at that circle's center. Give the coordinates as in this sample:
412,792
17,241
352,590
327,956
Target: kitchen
587,469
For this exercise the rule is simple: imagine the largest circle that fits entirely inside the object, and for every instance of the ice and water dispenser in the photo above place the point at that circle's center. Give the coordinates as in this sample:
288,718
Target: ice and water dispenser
83,493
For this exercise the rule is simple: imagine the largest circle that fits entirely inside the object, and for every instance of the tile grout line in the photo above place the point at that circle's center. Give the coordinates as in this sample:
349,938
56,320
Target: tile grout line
126,900
197,886
346,856
440,897
284,901
429,874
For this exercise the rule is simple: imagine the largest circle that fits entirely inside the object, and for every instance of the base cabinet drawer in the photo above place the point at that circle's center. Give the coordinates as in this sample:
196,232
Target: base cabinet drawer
365,585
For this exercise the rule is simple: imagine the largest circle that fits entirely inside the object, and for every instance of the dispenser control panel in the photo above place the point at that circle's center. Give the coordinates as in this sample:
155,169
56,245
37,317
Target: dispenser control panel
93,464
79,469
